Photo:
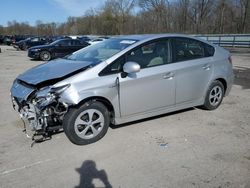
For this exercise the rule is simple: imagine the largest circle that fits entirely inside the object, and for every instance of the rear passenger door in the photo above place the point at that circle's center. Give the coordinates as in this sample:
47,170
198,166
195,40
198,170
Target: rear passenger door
193,68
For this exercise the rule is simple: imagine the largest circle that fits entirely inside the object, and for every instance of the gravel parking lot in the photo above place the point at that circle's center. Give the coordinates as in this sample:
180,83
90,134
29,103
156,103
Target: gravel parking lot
190,148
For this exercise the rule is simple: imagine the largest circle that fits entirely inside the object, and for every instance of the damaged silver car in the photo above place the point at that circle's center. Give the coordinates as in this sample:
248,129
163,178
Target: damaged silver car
119,80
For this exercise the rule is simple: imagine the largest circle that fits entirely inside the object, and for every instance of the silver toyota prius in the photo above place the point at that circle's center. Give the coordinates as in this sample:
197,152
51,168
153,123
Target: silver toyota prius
120,80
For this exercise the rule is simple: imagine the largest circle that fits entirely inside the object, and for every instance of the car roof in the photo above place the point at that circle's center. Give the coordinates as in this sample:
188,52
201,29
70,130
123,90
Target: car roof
67,39
149,36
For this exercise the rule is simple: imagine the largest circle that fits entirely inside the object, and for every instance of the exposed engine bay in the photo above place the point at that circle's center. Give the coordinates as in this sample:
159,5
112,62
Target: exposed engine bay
36,99
38,102
41,111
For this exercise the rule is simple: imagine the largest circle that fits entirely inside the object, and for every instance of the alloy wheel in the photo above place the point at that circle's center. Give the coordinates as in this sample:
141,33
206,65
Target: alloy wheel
89,123
215,95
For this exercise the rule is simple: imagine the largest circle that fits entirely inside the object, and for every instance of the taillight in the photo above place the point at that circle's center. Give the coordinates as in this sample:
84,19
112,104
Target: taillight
230,59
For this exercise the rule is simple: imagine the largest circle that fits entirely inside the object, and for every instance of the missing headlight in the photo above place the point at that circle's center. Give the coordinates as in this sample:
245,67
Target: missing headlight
59,89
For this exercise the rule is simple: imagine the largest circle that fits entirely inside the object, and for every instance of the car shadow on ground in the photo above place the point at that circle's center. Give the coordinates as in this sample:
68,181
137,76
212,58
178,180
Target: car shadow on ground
88,173
32,59
242,77
151,118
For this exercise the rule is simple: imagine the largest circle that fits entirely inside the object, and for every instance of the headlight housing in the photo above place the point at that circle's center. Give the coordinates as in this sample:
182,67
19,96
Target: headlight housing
47,95
35,50
59,89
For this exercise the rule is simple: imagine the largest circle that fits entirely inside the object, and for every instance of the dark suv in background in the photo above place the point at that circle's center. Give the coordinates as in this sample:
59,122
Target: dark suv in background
30,42
59,48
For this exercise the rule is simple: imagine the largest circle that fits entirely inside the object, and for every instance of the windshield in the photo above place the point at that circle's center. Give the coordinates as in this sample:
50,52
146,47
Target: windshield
55,42
101,51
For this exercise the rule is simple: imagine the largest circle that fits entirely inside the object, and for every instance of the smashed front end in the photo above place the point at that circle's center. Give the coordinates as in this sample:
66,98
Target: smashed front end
39,108
37,100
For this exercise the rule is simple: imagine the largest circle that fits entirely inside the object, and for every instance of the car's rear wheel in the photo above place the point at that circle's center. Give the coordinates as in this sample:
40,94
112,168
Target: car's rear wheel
25,47
86,124
214,95
45,55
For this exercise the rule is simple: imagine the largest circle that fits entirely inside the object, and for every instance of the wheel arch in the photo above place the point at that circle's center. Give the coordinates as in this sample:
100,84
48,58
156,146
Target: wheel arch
45,50
103,100
224,83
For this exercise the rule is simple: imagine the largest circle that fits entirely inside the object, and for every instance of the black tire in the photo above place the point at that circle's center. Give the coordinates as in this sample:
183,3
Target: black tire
213,103
25,47
71,127
45,56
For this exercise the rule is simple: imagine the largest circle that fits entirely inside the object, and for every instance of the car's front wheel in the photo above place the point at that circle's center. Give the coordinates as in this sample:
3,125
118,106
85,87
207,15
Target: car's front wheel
86,124
214,95
45,55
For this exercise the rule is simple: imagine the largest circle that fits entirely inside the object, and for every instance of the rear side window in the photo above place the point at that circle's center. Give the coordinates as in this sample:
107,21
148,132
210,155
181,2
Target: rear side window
75,43
65,42
209,50
187,49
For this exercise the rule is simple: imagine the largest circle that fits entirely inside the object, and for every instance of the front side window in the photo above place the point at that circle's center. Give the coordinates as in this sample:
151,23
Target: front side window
114,67
187,49
151,54
65,43
148,55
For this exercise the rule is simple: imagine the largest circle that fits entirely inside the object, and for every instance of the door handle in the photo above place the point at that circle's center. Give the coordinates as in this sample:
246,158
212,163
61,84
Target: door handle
168,75
206,67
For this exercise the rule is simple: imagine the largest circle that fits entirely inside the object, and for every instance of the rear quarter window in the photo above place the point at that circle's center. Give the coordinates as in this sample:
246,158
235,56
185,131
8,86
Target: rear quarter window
209,50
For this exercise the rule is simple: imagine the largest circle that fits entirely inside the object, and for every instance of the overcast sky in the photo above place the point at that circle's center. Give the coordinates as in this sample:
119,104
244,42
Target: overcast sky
44,10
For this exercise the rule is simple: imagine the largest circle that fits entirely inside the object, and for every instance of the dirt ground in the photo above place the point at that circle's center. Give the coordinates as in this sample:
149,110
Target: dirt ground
190,148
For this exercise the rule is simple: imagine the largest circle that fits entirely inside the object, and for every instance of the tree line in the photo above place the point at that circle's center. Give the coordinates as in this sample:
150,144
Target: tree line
118,17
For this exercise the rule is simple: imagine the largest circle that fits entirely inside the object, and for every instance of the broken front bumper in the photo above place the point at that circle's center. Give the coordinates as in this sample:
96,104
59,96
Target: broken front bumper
29,115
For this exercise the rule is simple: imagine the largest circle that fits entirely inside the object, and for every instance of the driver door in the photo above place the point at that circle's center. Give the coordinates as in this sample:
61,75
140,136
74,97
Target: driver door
153,87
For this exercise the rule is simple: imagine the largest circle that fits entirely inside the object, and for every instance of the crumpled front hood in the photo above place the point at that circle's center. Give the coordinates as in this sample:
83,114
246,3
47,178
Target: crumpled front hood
55,70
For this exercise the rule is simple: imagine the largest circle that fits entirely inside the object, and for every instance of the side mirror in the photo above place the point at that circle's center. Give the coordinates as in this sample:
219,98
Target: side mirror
131,67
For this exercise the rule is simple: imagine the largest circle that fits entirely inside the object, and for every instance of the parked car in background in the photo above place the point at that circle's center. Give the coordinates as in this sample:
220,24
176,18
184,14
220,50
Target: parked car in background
84,39
7,40
1,39
97,40
120,80
12,39
30,42
55,38
17,38
59,48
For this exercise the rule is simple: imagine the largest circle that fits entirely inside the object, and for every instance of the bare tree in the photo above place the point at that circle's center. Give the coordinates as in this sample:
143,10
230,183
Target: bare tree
150,16
157,10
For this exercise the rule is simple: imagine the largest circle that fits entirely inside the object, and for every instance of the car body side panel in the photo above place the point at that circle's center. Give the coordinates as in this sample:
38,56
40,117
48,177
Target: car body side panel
192,78
158,111
147,90
222,68
106,88
89,84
